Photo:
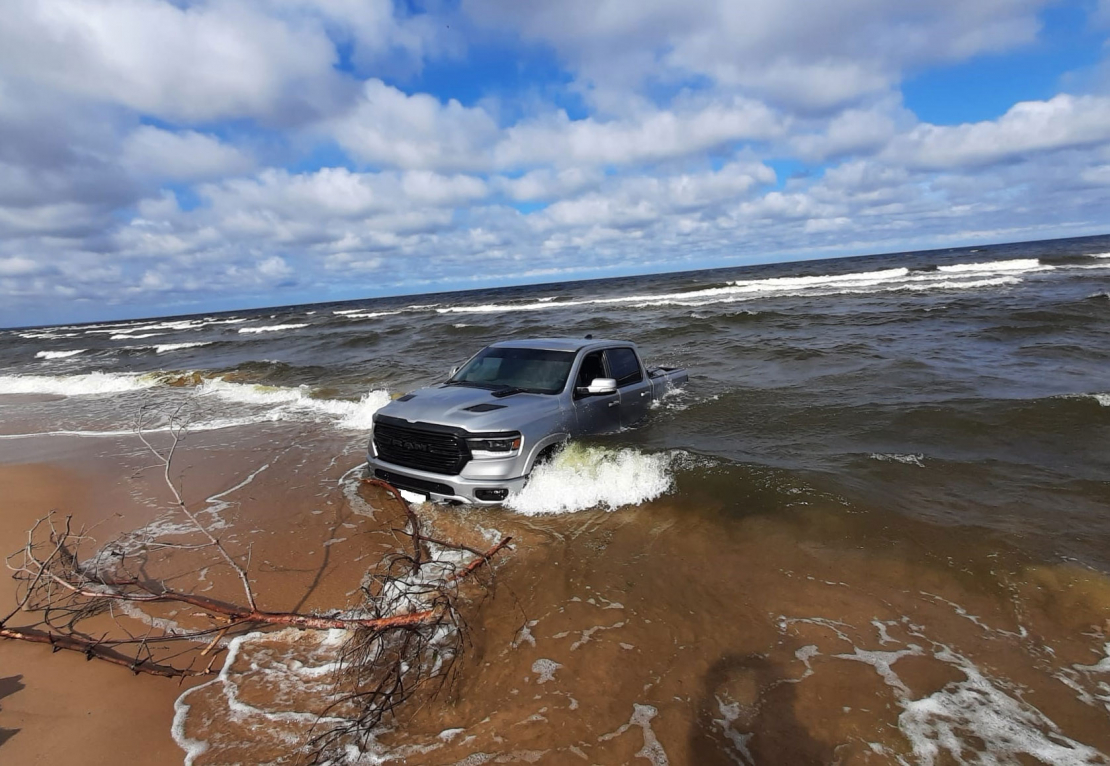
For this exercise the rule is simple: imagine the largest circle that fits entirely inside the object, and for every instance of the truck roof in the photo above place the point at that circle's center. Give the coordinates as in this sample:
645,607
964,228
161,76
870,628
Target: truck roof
559,344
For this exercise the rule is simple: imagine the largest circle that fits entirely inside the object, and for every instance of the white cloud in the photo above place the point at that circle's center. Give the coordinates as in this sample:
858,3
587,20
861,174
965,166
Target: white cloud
182,156
657,152
387,127
192,63
645,138
1028,127
18,266
795,52
545,183
852,131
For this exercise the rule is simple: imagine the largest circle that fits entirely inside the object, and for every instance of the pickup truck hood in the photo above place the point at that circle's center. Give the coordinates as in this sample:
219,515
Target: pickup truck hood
450,406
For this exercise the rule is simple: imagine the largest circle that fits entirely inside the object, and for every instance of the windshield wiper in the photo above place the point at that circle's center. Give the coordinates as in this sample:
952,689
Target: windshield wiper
508,391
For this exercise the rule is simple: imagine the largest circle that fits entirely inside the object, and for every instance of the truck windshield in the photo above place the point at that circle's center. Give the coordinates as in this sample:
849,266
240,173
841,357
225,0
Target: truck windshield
532,370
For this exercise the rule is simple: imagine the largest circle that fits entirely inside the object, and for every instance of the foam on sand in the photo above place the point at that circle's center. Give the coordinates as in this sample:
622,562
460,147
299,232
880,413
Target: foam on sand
582,477
272,328
86,384
59,354
296,670
976,719
976,709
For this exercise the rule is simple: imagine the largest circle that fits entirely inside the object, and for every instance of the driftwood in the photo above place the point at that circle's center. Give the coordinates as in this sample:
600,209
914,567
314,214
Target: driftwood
406,632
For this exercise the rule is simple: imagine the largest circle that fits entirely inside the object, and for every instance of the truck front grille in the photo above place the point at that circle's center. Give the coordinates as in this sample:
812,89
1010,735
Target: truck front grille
426,449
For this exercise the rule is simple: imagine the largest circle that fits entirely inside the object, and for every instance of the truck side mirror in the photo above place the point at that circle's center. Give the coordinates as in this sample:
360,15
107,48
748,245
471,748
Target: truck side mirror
455,370
602,386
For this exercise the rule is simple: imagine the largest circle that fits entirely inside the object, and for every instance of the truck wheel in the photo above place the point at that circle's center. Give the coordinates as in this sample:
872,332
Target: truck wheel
547,454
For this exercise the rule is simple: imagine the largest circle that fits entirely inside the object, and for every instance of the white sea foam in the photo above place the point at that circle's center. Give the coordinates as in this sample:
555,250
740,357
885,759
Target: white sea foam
1102,399
272,328
86,384
972,720
545,670
938,726
59,354
949,284
363,314
47,335
303,665
652,751
590,477
129,328
955,277
289,403
894,457
124,336
164,348
1018,264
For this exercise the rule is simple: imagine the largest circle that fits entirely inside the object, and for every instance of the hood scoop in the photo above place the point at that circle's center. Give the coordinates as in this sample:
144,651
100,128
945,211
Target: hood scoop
405,398
484,407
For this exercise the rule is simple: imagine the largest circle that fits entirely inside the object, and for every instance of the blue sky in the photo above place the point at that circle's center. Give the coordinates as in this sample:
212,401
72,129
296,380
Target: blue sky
170,157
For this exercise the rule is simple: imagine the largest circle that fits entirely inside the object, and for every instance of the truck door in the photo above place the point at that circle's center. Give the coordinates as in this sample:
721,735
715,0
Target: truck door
596,414
632,385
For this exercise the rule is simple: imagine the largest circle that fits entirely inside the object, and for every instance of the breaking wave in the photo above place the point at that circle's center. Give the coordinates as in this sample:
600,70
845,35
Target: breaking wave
275,402
86,384
59,354
581,477
956,277
272,328
287,403
167,347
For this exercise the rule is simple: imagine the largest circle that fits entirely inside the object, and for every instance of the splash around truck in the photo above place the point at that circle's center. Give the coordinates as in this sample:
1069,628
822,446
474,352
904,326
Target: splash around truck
477,436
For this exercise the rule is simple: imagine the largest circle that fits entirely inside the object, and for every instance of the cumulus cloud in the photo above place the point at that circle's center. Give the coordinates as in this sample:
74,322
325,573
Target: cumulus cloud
648,137
1028,127
388,127
808,55
183,156
158,152
191,63
547,183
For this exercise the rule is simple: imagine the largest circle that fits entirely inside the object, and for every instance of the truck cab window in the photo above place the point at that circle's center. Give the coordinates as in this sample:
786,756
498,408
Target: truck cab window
592,367
624,366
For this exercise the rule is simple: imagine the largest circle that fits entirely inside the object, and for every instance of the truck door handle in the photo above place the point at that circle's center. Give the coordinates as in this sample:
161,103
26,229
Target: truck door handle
643,393
614,404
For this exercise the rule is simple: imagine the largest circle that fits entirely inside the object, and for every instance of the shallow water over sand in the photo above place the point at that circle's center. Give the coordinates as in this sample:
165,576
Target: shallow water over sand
876,529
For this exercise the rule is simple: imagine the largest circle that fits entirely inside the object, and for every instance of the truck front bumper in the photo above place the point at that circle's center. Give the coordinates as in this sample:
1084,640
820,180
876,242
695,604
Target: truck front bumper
435,486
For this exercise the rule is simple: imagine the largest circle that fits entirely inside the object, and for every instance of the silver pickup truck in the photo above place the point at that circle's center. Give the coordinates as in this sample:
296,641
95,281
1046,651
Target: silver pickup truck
477,436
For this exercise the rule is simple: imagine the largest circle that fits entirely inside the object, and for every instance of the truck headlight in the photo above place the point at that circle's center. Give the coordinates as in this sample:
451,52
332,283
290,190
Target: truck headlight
501,447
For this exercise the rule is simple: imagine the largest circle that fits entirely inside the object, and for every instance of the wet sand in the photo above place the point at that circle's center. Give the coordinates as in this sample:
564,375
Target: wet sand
59,708
807,636
801,631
